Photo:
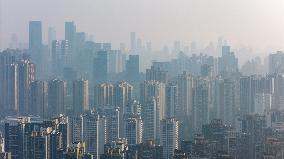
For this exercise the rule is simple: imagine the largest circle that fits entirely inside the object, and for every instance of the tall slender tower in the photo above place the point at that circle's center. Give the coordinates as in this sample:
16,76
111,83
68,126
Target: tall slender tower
200,99
26,74
39,98
56,97
171,100
35,43
80,96
169,136
133,42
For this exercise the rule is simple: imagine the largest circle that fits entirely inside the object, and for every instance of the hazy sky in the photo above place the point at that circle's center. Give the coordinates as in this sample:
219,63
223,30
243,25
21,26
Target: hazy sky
255,23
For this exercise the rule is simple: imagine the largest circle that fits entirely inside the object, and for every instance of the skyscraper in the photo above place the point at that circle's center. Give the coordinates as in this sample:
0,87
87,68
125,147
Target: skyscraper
225,100
171,104
151,120
94,133
150,89
26,75
113,126
123,93
80,96
156,74
133,42
132,67
70,33
7,58
276,62
35,35
65,54
55,56
104,95
101,67
39,98
185,84
169,130
133,129
200,100
60,56
35,43
228,62
56,97
51,36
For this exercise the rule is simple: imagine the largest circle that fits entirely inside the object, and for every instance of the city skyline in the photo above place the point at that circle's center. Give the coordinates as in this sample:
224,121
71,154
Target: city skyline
245,24
141,80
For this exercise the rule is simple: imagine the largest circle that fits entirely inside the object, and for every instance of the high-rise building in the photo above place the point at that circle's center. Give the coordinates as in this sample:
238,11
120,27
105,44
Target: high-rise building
134,107
185,85
35,41
80,96
26,74
156,74
94,133
7,58
133,129
70,33
151,120
35,34
249,86
225,101
104,95
223,135
115,61
74,126
276,62
31,137
101,67
55,56
60,56
12,88
132,67
169,130
264,102
51,35
227,62
56,97
113,126
123,93
200,100
133,42
171,100
39,98
149,150
156,89
65,54
252,137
